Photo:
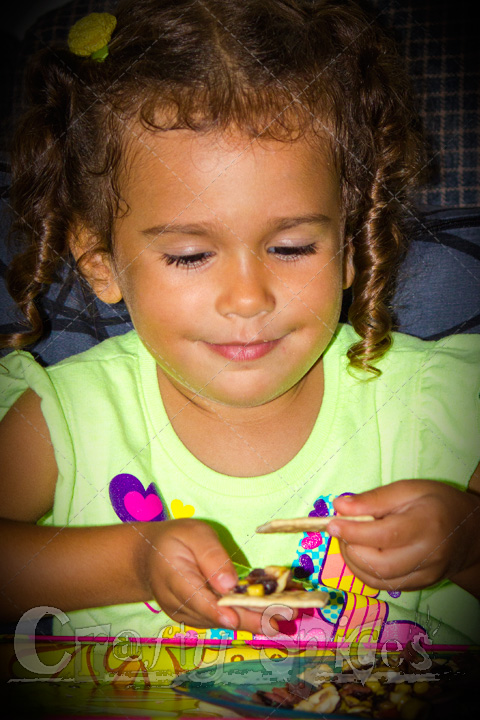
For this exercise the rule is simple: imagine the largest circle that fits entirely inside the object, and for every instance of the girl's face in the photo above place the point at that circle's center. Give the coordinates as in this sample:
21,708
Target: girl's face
231,261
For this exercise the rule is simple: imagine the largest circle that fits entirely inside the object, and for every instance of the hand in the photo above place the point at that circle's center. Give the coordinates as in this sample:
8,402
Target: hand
186,568
423,532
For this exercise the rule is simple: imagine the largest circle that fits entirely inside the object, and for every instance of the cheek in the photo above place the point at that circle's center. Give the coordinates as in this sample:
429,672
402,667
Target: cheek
163,319
323,293
141,290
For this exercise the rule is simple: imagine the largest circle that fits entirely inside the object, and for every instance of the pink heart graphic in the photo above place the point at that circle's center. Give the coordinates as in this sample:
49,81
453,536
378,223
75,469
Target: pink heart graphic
142,508
312,541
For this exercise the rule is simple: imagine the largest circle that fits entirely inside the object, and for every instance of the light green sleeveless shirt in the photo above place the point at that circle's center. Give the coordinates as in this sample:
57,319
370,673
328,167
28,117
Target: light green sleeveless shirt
112,440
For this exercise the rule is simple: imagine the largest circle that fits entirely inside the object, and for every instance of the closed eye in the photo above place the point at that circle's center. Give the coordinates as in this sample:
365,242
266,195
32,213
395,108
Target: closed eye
293,252
285,252
188,261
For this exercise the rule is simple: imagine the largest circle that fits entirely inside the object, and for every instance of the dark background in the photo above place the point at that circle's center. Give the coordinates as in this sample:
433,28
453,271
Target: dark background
19,14
439,289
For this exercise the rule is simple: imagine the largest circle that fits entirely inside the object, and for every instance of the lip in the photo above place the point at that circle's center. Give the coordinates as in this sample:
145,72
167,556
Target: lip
241,352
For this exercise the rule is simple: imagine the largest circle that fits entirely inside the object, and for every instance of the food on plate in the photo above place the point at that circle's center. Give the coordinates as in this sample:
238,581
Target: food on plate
272,585
404,693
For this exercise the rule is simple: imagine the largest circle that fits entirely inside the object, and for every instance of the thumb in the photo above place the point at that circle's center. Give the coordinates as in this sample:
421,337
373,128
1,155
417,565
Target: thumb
213,560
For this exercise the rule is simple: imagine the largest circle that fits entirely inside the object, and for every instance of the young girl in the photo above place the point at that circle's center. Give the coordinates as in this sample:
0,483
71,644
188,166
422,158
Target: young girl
228,168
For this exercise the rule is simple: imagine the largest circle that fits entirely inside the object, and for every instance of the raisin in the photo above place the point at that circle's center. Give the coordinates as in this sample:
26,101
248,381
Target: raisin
300,573
256,573
269,585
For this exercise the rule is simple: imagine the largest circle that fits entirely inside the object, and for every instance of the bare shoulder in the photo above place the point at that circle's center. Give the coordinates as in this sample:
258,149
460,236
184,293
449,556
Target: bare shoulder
29,469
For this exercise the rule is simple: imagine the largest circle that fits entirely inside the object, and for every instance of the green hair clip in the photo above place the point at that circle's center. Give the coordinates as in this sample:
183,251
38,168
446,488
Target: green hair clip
89,37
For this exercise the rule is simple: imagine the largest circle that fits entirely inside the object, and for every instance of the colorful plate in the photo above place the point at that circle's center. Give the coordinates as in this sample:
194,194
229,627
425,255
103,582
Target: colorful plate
232,685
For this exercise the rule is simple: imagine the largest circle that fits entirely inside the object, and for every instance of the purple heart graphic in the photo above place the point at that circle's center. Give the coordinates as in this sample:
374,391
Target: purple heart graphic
132,502
307,564
320,509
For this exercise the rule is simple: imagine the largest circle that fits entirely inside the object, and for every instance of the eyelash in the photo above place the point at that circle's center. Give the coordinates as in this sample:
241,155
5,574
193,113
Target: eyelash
287,252
188,261
292,252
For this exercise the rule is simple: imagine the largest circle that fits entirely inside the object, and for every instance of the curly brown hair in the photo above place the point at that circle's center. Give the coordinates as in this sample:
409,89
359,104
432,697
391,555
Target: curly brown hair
276,68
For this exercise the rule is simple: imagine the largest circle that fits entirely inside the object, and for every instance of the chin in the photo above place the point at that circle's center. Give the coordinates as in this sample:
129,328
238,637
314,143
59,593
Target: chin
244,398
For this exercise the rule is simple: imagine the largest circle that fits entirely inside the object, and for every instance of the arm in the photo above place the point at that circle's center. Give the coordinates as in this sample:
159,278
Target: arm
180,563
74,568
70,568
469,578
425,531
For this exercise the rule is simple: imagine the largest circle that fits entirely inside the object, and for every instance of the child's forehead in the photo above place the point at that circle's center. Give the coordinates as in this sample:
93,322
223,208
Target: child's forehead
228,175
146,149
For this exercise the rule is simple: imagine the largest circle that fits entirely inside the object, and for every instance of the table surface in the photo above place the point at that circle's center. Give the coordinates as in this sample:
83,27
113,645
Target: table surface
52,679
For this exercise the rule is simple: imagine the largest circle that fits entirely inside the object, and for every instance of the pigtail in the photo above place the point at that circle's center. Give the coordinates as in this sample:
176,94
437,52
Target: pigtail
38,193
387,170
376,261
57,168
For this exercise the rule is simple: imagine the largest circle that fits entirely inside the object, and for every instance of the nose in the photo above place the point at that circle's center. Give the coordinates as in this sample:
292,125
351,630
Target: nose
246,288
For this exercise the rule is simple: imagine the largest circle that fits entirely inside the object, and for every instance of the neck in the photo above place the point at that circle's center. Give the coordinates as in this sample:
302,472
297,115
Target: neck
245,441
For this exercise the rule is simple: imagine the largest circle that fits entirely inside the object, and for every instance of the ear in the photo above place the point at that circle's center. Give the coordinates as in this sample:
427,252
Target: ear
96,266
348,266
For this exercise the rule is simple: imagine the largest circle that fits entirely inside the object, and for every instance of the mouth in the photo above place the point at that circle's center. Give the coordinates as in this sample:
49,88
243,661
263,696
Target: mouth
241,352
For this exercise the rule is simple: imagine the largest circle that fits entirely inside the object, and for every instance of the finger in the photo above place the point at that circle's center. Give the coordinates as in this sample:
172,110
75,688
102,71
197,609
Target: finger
249,620
364,569
213,560
265,621
377,566
382,500
201,610
412,581
273,615
392,531
194,597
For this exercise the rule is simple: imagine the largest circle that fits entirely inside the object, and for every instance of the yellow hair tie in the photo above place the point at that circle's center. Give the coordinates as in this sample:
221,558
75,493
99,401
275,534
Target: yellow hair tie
90,35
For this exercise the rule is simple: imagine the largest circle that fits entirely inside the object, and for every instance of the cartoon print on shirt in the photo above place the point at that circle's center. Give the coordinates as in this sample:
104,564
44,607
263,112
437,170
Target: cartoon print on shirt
133,503
179,510
354,612
315,539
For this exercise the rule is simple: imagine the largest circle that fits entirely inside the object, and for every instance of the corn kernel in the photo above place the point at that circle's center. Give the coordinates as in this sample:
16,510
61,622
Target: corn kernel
420,687
398,698
414,709
374,685
256,590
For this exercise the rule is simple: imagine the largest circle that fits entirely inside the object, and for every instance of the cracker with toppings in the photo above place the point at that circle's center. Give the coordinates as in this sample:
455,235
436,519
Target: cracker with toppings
307,524
273,585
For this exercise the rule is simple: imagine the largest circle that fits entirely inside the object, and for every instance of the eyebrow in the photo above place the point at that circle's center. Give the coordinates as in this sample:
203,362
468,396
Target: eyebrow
204,228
